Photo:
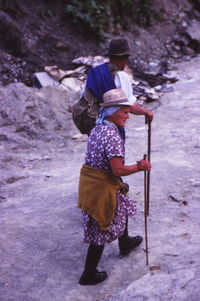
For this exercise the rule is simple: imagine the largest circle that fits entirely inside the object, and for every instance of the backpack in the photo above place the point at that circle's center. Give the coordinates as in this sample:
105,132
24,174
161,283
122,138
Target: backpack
85,111
84,114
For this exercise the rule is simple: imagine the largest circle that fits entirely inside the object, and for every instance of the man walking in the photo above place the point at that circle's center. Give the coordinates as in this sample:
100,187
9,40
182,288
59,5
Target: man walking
112,75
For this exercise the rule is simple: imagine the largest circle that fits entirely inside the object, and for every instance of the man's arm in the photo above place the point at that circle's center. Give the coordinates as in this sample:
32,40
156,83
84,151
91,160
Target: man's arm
139,110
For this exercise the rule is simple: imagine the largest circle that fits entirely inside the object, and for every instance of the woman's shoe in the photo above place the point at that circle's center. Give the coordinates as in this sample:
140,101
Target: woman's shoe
130,244
92,277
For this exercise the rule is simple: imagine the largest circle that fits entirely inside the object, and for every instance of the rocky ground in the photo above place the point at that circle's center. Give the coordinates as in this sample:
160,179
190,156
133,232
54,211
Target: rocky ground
42,253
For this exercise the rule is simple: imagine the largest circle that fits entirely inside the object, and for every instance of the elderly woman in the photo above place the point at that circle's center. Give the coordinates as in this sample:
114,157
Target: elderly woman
102,194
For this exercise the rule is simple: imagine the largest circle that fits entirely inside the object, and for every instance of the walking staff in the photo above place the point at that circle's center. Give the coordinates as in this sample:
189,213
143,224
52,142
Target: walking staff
148,122
147,188
145,215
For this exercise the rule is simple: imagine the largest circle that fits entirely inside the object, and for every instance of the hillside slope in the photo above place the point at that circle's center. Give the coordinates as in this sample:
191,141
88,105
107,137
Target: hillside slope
35,34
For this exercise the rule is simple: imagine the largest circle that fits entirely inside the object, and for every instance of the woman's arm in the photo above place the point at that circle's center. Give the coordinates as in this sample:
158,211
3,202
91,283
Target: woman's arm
119,169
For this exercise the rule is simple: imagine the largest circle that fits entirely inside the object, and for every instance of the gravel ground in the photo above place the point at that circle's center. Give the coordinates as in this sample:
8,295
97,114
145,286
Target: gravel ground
42,253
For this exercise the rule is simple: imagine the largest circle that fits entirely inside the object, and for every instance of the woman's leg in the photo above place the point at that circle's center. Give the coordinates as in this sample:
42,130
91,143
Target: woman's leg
128,243
93,256
91,275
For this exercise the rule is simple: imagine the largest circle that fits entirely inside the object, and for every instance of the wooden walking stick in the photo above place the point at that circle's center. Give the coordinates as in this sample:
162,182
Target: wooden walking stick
147,121
145,214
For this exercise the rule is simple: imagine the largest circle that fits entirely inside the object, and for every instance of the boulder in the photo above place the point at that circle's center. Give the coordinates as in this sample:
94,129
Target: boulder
33,113
193,33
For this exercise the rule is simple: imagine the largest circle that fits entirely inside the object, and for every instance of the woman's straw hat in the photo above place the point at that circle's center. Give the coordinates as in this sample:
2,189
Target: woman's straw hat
115,97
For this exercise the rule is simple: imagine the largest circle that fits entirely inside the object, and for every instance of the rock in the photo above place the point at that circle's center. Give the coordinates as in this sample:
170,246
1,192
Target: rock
43,79
73,84
90,60
167,284
34,113
193,33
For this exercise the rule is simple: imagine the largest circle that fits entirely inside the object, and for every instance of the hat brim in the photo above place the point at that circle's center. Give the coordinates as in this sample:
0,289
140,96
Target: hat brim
114,54
114,104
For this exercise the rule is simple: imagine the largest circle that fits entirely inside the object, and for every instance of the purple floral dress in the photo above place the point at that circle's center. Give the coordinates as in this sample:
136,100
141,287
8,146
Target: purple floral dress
104,143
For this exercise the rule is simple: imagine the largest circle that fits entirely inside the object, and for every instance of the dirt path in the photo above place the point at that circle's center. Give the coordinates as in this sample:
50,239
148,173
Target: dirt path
42,252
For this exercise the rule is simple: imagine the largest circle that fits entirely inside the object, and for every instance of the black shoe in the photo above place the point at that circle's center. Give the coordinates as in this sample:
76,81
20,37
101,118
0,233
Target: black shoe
130,244
94,277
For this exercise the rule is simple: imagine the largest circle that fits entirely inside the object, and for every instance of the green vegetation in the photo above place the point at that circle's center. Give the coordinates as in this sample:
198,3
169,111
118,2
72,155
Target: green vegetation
104,17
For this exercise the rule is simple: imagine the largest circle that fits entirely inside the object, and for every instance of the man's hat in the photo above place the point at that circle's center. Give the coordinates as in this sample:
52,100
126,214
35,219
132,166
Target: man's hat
115,97
118,47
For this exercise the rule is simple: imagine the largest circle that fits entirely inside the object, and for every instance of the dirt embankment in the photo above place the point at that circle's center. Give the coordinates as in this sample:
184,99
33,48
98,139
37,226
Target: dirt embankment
35,34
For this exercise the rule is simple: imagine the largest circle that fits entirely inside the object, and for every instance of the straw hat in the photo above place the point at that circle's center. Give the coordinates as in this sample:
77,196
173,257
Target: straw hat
115,97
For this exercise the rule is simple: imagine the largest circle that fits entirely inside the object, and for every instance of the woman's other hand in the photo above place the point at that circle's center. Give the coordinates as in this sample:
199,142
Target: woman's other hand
144,165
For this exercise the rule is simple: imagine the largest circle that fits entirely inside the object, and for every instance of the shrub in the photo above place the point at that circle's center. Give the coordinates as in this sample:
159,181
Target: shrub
104,16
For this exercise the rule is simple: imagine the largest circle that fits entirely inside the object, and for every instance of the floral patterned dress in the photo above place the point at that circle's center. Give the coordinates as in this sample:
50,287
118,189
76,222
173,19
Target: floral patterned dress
104,143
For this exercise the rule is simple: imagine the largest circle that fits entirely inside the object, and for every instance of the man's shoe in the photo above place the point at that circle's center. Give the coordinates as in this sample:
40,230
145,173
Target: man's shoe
92,277
130,244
